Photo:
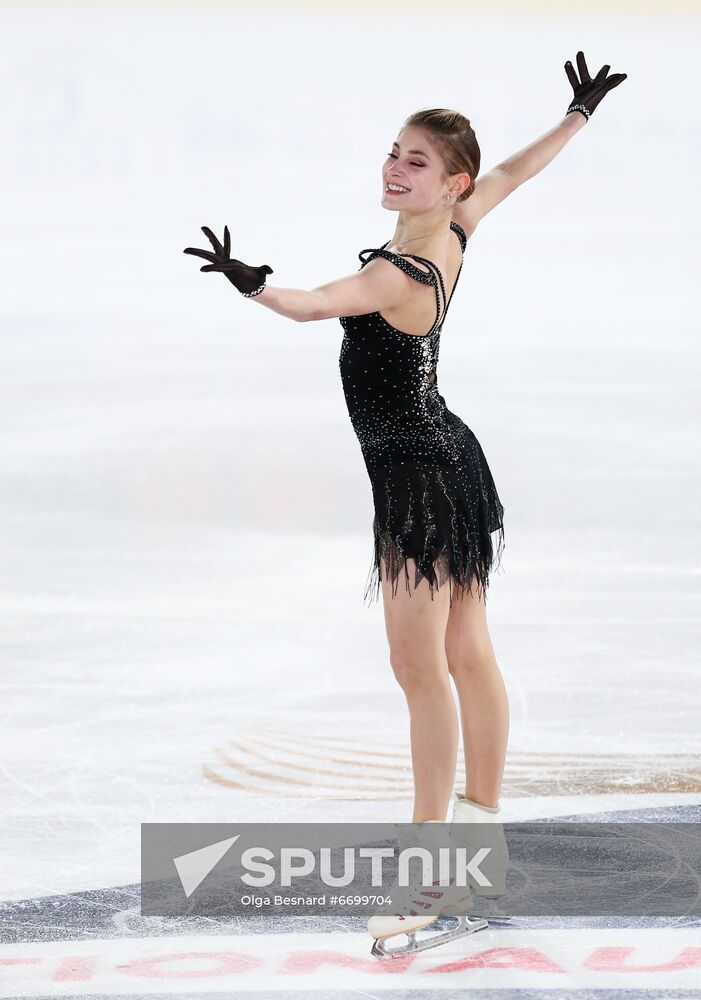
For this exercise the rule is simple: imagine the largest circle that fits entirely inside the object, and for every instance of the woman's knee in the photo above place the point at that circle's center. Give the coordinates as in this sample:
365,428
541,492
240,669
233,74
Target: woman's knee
416,669
469,656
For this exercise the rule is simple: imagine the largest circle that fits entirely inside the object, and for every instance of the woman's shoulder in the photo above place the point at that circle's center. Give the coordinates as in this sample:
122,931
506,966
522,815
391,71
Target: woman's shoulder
403,261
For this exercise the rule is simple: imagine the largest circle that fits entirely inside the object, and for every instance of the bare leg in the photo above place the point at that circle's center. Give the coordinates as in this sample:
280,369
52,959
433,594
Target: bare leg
415,627
484,706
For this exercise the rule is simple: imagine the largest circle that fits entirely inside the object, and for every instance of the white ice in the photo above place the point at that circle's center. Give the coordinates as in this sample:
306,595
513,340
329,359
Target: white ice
185,516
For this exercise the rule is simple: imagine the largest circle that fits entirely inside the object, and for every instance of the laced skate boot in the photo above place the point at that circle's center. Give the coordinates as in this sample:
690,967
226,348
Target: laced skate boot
418,906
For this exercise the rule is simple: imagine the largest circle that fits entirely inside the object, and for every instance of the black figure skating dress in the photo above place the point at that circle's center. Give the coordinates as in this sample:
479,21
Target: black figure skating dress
434,497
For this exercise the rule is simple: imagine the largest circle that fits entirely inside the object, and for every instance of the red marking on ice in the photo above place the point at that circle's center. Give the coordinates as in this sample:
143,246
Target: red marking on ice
503,958
613,959
77,968
303,962
229,962
319,964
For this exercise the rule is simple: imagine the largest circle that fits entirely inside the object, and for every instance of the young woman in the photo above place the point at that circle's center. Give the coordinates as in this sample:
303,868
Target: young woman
436,505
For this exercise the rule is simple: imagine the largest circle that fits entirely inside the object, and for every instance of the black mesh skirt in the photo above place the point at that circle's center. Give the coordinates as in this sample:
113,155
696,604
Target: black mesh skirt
442,517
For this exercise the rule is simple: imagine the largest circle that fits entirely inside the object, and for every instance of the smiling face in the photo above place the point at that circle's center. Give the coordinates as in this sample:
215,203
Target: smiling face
413,164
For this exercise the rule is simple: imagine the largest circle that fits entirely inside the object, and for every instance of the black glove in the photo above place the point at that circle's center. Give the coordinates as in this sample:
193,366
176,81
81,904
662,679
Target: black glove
588,92
248,280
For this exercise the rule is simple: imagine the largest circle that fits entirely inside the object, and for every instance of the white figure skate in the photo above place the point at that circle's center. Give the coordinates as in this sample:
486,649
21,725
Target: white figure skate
488,833
417,907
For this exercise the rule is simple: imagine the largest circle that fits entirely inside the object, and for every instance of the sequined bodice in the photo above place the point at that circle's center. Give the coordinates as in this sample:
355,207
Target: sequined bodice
390,378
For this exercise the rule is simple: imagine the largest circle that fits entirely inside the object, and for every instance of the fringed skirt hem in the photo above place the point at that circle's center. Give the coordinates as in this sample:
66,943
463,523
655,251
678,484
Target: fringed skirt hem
389,563
439,519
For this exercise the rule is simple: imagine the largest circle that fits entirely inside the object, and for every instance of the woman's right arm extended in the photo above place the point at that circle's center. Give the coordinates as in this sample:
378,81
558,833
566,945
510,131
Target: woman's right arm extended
379,285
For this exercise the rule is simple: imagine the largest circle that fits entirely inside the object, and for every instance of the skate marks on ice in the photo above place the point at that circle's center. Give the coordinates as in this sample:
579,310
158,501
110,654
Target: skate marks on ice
305,765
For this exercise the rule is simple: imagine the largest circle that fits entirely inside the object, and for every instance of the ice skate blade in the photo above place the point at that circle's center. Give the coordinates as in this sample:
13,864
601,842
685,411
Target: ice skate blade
466,925
492,914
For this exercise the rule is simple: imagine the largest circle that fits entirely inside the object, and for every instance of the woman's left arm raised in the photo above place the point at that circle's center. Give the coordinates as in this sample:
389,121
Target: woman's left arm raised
501,180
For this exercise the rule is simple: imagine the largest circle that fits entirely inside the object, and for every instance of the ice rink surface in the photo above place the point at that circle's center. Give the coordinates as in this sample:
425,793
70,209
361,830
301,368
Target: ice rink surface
185,512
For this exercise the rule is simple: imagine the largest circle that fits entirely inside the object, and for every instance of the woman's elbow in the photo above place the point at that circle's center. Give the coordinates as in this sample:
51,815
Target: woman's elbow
309,316
314,309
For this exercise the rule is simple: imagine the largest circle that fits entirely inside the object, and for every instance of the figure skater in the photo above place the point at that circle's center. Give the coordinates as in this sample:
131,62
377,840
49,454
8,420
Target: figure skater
436,505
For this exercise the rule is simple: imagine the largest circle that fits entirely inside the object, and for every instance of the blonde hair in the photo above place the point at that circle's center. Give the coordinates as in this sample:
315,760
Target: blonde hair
455,140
